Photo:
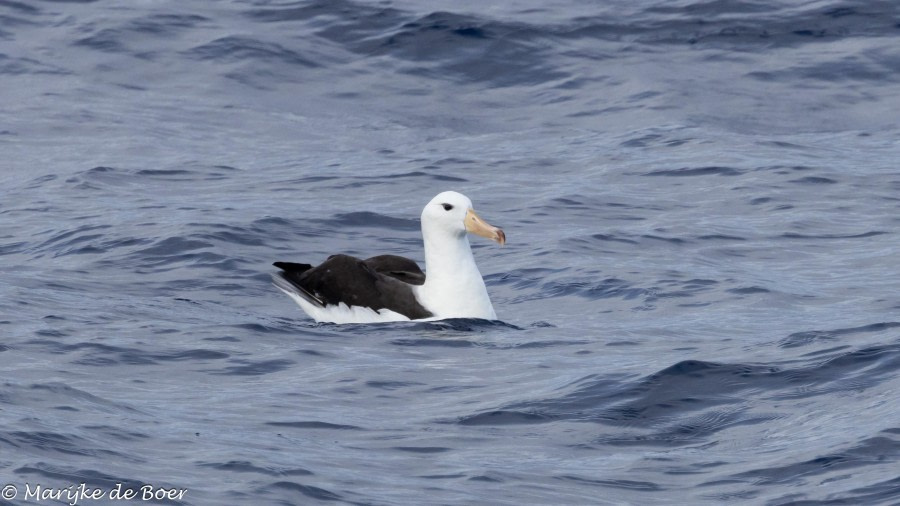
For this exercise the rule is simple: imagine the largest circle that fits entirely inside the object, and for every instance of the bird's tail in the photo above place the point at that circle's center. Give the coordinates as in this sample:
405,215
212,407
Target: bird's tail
288,281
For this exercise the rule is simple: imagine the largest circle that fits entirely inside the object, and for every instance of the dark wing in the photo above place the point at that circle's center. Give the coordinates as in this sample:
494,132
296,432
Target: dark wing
292,267
396,267
346,279
290,279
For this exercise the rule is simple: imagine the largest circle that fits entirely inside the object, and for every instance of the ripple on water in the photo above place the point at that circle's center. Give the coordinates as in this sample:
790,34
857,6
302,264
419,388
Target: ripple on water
728,239
692,400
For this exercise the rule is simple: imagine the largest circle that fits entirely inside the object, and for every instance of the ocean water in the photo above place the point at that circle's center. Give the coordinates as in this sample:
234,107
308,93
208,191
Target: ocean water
698,299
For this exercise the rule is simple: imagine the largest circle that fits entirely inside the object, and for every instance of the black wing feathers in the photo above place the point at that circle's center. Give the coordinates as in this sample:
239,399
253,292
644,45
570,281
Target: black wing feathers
377,283
400,268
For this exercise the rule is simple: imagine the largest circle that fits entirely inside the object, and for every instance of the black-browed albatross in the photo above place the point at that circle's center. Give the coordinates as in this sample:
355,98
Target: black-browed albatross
345,289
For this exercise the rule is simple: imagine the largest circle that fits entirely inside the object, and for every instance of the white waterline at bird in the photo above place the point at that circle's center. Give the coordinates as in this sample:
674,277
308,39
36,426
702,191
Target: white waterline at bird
385,288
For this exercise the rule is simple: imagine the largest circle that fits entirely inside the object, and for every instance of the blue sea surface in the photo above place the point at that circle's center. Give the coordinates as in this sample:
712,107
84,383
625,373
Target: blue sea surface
698,299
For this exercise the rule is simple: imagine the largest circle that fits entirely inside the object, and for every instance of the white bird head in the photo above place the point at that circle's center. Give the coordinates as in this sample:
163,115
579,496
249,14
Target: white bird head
452,213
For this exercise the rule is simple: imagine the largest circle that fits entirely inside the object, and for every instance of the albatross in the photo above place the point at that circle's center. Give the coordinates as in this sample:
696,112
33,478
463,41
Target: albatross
384,288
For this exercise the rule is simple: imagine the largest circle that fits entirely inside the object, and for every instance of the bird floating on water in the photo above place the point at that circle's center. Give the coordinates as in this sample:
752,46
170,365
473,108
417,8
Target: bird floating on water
386,288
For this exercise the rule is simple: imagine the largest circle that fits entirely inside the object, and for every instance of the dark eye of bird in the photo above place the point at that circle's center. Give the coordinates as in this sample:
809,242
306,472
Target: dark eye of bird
447,207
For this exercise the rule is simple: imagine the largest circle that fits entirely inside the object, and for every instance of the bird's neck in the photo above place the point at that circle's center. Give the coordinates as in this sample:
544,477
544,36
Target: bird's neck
453,284
448,258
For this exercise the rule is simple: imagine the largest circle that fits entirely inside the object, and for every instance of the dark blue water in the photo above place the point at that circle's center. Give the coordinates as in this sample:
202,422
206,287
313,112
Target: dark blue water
699,296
